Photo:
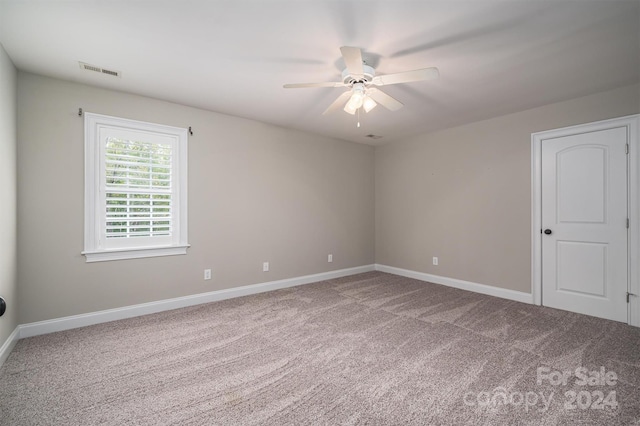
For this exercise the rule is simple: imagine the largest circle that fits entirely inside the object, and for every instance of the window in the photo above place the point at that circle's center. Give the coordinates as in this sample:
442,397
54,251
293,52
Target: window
135,189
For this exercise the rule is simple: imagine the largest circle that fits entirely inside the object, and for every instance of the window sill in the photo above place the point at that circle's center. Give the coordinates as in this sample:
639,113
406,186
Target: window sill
121,254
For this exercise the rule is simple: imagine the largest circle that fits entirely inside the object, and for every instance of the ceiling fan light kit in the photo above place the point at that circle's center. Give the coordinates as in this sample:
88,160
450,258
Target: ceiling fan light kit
368,104
359,78
356,100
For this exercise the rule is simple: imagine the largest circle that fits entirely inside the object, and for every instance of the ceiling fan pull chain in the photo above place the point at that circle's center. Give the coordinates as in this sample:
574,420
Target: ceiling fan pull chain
358,117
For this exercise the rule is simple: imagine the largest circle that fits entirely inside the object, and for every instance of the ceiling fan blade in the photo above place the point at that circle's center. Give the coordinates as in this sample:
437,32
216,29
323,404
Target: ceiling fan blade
338,103
406,77
301,85
385,100
353,60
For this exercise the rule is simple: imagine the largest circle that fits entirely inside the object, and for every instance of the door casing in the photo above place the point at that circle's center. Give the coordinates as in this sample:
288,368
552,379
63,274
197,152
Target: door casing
632,124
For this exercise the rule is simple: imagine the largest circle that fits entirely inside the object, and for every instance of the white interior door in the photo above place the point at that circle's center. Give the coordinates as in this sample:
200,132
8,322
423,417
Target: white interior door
584,220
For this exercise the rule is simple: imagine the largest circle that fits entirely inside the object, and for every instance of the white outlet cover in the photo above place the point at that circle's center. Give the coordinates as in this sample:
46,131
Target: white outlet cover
265,267
330,258
207,274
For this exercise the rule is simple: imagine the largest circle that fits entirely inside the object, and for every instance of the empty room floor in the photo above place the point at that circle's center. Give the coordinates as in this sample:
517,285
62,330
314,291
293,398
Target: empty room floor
373,348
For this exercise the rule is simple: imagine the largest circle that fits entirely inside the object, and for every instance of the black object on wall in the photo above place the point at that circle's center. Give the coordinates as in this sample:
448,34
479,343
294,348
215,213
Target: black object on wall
3,306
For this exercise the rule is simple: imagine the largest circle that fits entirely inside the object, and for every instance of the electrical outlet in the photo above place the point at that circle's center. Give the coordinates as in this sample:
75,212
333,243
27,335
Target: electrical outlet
265,267
435,261
330,258
207,274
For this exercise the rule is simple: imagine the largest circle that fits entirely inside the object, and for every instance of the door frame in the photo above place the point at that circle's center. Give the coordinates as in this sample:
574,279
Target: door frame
632,123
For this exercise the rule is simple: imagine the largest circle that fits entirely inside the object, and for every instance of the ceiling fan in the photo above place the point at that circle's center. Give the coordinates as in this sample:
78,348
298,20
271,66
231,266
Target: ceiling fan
361,80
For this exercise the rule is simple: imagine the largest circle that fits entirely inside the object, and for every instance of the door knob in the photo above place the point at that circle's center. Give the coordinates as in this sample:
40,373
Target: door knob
547,231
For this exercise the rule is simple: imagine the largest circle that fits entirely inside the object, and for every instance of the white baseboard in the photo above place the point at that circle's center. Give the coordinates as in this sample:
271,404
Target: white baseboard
504,293
8,345
82,320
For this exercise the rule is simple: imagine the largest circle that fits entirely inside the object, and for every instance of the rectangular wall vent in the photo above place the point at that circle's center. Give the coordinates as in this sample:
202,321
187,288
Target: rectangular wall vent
93,68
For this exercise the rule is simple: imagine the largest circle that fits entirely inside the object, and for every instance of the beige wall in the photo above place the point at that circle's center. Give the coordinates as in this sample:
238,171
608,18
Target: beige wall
8,259
256,193
262,193
464,194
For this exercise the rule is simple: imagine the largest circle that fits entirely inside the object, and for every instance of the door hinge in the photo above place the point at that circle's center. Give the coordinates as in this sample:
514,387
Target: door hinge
630,294
626,149
627,223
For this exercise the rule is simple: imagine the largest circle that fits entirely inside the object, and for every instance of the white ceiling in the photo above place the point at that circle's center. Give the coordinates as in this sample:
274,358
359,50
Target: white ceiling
494,57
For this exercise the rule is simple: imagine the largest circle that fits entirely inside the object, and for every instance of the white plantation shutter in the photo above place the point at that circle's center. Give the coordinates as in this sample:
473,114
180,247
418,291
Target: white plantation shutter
137,189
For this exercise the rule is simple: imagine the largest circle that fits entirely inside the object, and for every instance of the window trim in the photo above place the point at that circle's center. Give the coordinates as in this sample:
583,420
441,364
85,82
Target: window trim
93,123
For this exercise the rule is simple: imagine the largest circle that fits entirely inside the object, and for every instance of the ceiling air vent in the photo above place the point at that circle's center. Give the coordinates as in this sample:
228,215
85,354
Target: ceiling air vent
373,136
93,68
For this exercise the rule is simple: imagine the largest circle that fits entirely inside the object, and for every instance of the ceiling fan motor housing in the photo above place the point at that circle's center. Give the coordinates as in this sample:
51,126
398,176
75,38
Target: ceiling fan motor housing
366,78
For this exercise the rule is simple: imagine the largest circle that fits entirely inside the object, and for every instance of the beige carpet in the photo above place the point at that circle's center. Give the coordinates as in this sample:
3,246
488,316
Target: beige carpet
374,349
